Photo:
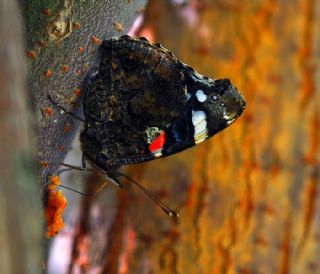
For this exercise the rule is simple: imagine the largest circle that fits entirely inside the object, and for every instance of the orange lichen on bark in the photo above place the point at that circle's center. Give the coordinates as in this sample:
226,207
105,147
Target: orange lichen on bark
95,40
64,68
77,92
66,127
47,12
31,55
47,111
118,26
76,25
56,203
44,164
47,73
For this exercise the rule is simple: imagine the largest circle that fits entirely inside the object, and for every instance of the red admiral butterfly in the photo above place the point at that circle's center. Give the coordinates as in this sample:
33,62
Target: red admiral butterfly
141,103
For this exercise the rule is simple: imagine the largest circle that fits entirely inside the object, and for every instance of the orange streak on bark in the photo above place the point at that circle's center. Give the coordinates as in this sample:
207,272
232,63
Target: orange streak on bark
130,242
190,195
226,260
224,246
305,54
284,267
82,259
115,246
314,139
310,205
246,203
311,186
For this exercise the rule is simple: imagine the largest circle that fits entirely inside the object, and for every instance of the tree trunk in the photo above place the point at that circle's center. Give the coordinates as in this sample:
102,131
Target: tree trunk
248,198
20,202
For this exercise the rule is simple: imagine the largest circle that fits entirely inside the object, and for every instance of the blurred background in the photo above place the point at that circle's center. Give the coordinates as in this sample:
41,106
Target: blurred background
248,198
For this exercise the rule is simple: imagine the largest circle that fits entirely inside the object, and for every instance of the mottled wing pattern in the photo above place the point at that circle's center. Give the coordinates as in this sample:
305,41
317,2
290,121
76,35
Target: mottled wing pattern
141,103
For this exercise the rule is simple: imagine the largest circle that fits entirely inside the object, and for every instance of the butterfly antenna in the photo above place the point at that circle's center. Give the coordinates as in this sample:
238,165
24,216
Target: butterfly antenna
71,189
83,168
163,206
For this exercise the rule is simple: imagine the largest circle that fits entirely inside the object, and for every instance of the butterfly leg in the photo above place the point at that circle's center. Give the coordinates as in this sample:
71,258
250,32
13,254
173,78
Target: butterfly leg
65,110
73,167
108,175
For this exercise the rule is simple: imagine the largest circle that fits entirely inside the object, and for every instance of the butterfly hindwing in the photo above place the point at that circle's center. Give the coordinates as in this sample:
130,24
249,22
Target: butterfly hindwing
141,103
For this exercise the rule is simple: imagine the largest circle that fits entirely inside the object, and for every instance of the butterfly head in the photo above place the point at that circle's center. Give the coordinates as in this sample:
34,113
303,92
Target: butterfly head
214,104
226,102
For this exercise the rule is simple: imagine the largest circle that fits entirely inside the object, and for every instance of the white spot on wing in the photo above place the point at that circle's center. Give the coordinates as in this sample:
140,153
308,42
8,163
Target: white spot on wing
228,118
157,154
189,96
231,121
199,121
201,96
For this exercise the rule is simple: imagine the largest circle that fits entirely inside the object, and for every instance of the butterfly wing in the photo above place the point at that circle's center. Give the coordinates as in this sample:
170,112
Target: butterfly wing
141,103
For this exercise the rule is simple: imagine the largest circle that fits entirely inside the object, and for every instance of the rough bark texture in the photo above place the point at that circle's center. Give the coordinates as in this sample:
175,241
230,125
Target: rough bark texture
20,203
62,39
249,198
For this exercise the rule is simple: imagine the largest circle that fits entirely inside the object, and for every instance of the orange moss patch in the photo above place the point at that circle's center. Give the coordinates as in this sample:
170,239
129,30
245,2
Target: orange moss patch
77,92
118,26
55,205
46,112
66,127
76,25
47,12
47,73
95,40
44,164
31,55
65,68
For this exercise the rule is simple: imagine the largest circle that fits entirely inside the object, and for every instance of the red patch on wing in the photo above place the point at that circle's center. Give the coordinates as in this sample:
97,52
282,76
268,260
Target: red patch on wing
158,143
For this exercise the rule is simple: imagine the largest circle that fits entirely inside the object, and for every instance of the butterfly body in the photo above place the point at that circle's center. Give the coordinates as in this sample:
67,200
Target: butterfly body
141,103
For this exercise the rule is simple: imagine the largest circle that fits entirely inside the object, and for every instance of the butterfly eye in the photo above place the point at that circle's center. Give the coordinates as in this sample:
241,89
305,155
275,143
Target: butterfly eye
221,91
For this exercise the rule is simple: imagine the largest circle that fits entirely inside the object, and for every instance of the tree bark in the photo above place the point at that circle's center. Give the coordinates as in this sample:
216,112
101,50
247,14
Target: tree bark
20,202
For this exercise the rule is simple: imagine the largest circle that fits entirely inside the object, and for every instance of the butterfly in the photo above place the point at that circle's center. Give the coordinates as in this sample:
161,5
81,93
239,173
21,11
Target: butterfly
141,103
